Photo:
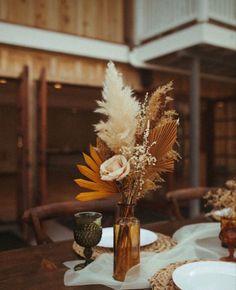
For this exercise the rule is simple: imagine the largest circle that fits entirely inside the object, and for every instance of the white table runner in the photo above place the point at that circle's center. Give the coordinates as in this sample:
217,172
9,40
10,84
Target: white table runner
198,241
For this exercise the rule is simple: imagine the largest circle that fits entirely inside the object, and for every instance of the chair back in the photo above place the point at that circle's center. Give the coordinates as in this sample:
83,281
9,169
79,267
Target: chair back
34,217
177,197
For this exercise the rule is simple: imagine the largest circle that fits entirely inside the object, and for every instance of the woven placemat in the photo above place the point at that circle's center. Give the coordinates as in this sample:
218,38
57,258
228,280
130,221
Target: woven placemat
162,280
161,244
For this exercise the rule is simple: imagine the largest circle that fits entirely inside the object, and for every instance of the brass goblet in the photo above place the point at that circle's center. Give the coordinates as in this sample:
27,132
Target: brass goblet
87,233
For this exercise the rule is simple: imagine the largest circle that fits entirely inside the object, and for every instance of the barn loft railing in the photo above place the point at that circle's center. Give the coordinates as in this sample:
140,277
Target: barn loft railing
155,17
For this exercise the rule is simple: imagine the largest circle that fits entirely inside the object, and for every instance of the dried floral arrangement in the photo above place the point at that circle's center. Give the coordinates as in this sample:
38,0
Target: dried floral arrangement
222,198
134,144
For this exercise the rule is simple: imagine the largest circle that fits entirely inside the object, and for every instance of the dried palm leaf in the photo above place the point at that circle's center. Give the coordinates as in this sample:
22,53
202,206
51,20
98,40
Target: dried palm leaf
100,189
165,165
163,138
87,196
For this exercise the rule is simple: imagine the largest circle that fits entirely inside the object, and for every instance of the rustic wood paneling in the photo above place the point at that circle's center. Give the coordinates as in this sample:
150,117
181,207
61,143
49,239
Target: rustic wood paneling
3,9
61,68
101,19
84,71
18,11
69,20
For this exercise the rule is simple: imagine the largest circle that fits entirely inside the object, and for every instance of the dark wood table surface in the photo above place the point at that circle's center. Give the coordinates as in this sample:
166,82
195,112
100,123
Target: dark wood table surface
41,267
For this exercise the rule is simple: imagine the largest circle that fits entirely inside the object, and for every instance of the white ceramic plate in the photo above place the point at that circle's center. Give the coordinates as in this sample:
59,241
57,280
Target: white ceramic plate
222,212
146,237
206,275
217,214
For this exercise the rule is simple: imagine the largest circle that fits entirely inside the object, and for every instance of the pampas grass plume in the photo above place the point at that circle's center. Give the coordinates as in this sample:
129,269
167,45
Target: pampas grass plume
120,108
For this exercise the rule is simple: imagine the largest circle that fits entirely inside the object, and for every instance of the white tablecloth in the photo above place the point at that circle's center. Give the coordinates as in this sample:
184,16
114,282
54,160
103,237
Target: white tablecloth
198,241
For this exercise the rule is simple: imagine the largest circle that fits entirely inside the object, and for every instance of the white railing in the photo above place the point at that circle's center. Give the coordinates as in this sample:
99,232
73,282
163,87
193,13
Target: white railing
154,17
223,11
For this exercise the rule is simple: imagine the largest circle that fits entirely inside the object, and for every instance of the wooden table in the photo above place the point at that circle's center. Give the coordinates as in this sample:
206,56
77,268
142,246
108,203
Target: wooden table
41,267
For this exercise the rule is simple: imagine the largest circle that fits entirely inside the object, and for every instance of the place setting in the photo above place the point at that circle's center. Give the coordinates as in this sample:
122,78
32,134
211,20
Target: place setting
94,245
202,263
149,242
92,241
195,275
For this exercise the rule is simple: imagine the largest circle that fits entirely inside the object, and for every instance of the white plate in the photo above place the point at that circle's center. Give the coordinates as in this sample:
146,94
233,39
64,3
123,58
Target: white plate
146,237
206,276
222,212
217,214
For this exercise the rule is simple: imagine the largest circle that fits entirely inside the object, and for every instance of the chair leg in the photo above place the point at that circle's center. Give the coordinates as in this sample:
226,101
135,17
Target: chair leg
41,237
176,210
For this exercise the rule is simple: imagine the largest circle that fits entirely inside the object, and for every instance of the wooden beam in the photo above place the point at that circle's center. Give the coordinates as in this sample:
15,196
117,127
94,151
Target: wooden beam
22,143
195,132
42,138
32,143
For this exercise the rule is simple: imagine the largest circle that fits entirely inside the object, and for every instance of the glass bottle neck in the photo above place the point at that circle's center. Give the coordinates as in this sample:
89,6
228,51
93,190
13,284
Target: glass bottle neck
125,210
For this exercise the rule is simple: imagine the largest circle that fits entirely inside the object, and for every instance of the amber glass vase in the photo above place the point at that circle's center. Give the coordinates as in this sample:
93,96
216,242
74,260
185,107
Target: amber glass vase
228,236
126,241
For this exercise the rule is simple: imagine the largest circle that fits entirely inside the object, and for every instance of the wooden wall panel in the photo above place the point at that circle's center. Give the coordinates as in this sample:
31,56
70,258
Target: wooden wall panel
101,19
69,20
16,11
85,71
61,68
3,9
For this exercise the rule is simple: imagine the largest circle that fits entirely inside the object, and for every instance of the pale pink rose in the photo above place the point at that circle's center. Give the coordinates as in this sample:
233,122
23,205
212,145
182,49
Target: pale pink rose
115,168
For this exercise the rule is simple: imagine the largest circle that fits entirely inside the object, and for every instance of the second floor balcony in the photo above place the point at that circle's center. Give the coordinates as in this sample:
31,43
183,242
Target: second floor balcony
169,33
157,17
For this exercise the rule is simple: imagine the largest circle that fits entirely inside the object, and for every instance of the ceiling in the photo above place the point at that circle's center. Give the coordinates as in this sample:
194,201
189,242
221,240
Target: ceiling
213,60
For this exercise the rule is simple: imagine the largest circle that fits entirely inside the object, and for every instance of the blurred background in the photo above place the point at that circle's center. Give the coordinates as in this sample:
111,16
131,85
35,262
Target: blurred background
53,55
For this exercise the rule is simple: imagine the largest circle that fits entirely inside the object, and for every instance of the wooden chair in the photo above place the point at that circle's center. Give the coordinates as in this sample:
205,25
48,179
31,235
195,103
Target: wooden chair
35,217
177,197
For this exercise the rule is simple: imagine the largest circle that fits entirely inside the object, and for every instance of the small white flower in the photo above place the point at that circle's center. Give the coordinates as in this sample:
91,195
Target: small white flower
115,168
